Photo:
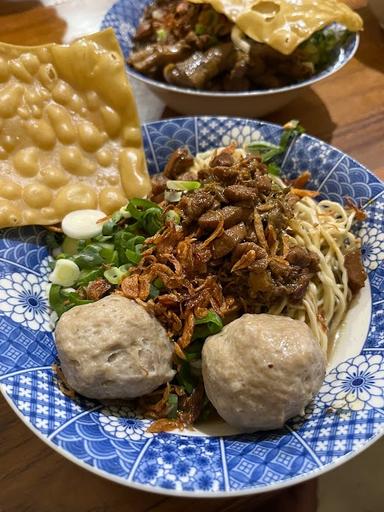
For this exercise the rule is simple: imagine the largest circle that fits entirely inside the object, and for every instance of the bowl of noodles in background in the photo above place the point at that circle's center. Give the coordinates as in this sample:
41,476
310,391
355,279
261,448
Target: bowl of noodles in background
124,17
213,459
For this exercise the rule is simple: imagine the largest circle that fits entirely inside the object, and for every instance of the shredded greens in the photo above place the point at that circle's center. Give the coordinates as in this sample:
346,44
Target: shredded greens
271,153
320,48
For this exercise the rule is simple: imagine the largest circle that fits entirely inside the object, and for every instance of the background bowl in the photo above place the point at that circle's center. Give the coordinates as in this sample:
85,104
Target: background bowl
344,418
124,17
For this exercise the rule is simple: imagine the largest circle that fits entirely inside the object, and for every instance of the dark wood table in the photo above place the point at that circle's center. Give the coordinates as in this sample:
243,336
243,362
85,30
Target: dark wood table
346,110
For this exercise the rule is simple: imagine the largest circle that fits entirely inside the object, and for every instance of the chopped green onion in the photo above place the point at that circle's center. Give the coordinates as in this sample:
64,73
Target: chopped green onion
172,216
173,402
65,273
153,291
113,275
132,256
210,324
53,240
161,35
152,221
89,257
273,169
107,252
200,29
158,283
184,377
125,268
61,300
183,185
108,227
86,276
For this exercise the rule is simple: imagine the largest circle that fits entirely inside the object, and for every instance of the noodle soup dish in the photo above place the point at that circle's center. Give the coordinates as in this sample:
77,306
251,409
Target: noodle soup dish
229,320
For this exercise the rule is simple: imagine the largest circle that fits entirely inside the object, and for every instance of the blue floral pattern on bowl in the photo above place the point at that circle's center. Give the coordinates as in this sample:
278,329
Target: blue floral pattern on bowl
355,384
345,416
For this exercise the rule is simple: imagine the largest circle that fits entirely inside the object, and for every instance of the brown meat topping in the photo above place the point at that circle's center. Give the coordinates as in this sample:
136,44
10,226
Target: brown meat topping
355,270
179,162
230,215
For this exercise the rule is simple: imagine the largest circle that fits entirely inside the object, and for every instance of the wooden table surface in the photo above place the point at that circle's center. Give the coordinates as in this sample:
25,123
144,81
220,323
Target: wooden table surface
346,110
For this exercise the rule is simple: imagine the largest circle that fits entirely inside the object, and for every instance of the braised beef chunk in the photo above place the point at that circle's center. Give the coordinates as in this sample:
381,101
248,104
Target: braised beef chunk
228,240
240,193
355,270
226,175
159,184
224,159
198,69
299,287
230,215
180,161
301,257
194,205
151,59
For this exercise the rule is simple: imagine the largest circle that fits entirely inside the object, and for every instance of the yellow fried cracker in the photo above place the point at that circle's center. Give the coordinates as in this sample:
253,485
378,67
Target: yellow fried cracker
284,24
69,132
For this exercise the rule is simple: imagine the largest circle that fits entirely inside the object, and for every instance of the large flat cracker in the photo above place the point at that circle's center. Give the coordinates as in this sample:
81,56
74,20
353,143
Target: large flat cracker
69,131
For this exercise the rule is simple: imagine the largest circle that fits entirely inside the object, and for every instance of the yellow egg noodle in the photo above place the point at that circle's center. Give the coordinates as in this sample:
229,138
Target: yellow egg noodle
285,24
69,132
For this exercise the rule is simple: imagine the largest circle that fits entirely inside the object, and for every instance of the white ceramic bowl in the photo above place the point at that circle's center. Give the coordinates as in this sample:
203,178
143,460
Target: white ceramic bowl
124,17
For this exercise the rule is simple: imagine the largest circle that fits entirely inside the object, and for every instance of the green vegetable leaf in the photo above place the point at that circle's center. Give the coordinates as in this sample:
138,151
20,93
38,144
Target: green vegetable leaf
273,169
193,351
87,276
61,301
185,378
200,29
183,185
88,257
211,323
271,153
161,35
54,240
173,402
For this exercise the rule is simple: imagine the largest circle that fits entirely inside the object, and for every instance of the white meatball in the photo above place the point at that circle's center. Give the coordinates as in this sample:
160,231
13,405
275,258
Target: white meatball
261,370
113,348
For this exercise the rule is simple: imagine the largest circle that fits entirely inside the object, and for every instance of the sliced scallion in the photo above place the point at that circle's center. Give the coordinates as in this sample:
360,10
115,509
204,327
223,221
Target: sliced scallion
183,185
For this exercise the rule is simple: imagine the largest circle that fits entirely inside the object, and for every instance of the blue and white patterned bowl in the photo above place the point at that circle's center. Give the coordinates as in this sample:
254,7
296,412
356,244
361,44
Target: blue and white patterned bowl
124,17
344,418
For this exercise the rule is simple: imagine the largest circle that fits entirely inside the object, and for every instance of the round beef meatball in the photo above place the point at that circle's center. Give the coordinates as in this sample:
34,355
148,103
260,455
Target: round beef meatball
113,348
261,370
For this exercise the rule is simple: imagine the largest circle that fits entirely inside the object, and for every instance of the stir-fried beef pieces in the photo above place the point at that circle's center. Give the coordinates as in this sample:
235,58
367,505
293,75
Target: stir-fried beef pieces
194,205
355,270
302,258
233,231
190,45
223,159
229,215
152,58
201,67
231,237
179,162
